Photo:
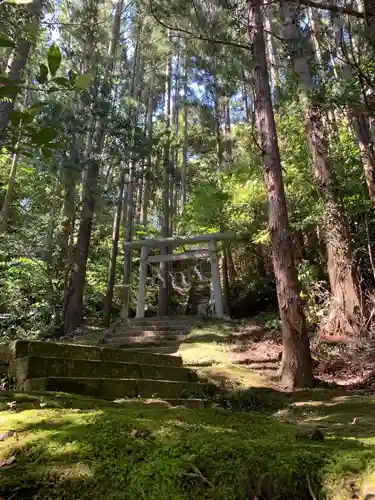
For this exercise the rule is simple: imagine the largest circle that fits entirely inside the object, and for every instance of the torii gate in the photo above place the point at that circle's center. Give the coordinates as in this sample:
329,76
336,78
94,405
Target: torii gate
211,253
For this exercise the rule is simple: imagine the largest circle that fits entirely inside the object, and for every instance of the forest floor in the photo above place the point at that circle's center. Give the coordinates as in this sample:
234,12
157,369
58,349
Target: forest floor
245,354
266,443
60,446
249,354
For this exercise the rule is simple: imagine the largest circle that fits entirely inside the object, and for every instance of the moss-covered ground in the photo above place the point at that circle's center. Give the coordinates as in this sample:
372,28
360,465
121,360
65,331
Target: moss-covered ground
264,446
69,447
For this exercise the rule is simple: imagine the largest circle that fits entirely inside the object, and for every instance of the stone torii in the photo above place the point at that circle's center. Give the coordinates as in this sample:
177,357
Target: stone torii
211,253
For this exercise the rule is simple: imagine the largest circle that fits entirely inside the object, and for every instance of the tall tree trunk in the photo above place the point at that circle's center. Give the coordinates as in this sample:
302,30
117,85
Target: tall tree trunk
148,168
228,136
164,278
296,368
48,238
74,306
339,257
65,239
270,47
5,209
74,310
185,142
129,207
358,120
128,224
367,149
18,60
246,102
315,21
114,251
219,138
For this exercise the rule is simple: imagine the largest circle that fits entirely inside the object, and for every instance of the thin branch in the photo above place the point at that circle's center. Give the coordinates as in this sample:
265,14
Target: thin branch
330,5
195,35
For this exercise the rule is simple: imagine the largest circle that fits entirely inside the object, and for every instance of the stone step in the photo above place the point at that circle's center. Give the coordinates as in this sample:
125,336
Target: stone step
184,317
149,328
24,348
156,321
40,367
145,335
119,388
125,342
171,350
182,327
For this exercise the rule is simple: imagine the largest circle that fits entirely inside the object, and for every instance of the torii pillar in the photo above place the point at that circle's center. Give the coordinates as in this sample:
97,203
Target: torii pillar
211,253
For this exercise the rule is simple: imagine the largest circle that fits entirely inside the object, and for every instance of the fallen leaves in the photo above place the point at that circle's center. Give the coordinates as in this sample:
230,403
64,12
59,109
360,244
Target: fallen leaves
7,434
137,433
7,461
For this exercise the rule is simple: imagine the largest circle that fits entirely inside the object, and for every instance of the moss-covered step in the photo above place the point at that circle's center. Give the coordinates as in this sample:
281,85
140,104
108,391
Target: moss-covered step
165,348
123,328
39,367
143,341
135,335
170,349
143,358
118,388
24,348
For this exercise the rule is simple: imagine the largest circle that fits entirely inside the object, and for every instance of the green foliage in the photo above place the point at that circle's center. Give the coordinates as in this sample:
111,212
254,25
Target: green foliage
6,42
43,74
204,211
25,306
54,59
83,81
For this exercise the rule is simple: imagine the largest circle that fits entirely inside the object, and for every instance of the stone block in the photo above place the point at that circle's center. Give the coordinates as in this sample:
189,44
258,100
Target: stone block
119,388
23,348
94,387
125,356
38,367
158,372
84,386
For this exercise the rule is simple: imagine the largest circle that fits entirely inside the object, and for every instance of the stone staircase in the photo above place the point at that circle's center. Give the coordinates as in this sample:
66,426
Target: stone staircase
158,334
105,373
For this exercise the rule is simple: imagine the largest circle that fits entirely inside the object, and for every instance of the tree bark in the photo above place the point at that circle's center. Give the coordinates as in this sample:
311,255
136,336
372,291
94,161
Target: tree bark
148,168
48,238
185,142
5,209
344,286
114,251
129,207
329,118
219,138
271,48
164,281
359,122
74,306
228,136
246,103
17,62
296,367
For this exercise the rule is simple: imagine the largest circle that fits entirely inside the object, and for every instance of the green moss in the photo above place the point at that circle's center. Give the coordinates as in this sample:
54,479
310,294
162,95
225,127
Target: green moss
71,447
